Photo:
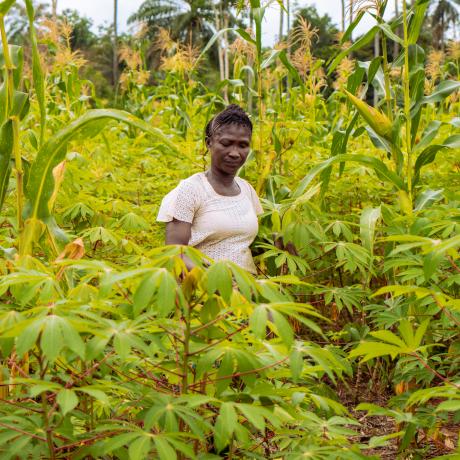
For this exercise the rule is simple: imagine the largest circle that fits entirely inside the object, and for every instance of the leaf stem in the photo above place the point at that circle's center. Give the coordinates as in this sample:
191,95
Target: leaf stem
240,374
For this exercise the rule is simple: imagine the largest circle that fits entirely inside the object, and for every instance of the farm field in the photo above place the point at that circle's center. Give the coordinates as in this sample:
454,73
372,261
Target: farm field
346,345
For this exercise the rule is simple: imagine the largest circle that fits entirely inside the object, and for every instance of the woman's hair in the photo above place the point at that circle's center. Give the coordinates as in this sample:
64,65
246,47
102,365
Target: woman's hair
232,114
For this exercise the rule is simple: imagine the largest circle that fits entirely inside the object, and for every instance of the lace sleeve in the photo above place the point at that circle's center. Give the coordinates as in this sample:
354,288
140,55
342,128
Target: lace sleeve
180,203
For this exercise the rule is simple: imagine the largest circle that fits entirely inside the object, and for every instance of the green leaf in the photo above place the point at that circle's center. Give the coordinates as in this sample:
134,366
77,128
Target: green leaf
254,415
389,337
144,293
358,44
378,166
139,449
37,71
386,29
40,186
374,350
226,367
416,20
67,400
420,333
291,69
94,393
166,295
165,451
444,89
225,425
73,341
428,155
258,321
367,224
449,406
296,363
283,327
407,333
6,149
27,338
52,340
220,279
5,5
427,198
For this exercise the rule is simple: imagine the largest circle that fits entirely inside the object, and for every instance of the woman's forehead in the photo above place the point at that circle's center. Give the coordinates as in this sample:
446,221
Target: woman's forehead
232,130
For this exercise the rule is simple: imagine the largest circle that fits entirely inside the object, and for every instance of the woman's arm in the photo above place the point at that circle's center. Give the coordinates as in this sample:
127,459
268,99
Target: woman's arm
179,232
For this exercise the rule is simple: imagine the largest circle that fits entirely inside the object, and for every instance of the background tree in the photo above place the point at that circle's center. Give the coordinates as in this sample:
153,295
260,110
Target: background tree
17,25
189,21
445,14
326,31
82,38
115,43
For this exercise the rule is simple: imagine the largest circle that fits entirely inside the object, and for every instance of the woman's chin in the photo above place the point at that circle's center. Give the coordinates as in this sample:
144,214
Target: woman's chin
231,169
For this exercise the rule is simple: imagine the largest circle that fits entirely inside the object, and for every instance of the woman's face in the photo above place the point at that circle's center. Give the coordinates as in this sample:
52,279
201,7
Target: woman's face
229,147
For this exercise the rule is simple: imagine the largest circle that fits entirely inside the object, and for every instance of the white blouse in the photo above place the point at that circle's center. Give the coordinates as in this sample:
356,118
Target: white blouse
223,227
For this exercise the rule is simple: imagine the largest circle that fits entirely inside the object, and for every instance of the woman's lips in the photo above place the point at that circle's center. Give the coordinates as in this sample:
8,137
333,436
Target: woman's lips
233,164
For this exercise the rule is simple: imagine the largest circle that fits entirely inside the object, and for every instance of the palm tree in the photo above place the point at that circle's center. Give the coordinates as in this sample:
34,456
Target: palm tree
16,22
54,9
445,13
189,21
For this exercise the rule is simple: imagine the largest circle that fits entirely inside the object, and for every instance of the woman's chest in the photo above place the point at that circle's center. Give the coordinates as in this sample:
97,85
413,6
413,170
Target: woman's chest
226,217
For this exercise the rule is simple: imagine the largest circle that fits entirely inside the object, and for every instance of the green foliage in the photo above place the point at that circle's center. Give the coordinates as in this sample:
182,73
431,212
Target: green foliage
111,348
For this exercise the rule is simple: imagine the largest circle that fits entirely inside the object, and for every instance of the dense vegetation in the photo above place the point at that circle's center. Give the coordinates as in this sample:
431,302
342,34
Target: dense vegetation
347,344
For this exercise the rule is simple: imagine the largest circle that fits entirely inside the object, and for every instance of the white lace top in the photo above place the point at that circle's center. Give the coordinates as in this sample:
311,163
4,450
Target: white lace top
223,227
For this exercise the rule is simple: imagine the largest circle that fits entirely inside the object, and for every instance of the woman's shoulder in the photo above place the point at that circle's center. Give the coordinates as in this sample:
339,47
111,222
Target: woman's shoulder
193,183
246,185
183,201
251,194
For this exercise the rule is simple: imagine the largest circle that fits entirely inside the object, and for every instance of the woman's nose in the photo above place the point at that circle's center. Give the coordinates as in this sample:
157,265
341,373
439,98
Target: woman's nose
234,153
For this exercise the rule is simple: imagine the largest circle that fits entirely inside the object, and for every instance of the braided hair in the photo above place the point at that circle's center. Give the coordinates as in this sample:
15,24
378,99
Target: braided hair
232,114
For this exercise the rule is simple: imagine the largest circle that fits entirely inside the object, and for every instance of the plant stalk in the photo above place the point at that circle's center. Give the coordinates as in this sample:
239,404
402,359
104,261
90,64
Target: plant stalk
9,67
406,78
15,121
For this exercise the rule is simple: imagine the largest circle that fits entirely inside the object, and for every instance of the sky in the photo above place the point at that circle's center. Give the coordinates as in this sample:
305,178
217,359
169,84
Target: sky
101,12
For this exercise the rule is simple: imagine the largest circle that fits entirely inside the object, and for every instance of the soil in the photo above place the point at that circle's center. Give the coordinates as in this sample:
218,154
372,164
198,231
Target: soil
426,447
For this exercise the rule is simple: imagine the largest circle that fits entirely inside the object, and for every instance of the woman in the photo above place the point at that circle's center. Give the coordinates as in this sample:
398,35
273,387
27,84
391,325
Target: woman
215,211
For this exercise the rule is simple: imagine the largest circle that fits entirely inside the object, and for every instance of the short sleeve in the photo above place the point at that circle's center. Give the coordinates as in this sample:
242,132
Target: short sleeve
254,199
180,203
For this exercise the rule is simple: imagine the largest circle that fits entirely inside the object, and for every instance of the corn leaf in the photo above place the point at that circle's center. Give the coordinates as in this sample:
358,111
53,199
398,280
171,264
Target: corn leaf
378,166
6,149
37,71
6,5
416,20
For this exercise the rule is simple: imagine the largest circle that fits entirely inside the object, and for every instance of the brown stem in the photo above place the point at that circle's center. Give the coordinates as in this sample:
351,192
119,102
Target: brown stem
433,371
13,428
86,441
214,321
443,309
218,341
20,405
240,374
454,265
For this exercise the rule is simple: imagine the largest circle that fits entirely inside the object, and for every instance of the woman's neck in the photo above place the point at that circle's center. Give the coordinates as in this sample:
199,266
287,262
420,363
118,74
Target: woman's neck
221,178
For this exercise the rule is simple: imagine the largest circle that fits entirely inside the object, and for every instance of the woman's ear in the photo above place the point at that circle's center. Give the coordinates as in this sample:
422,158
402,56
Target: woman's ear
208,141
